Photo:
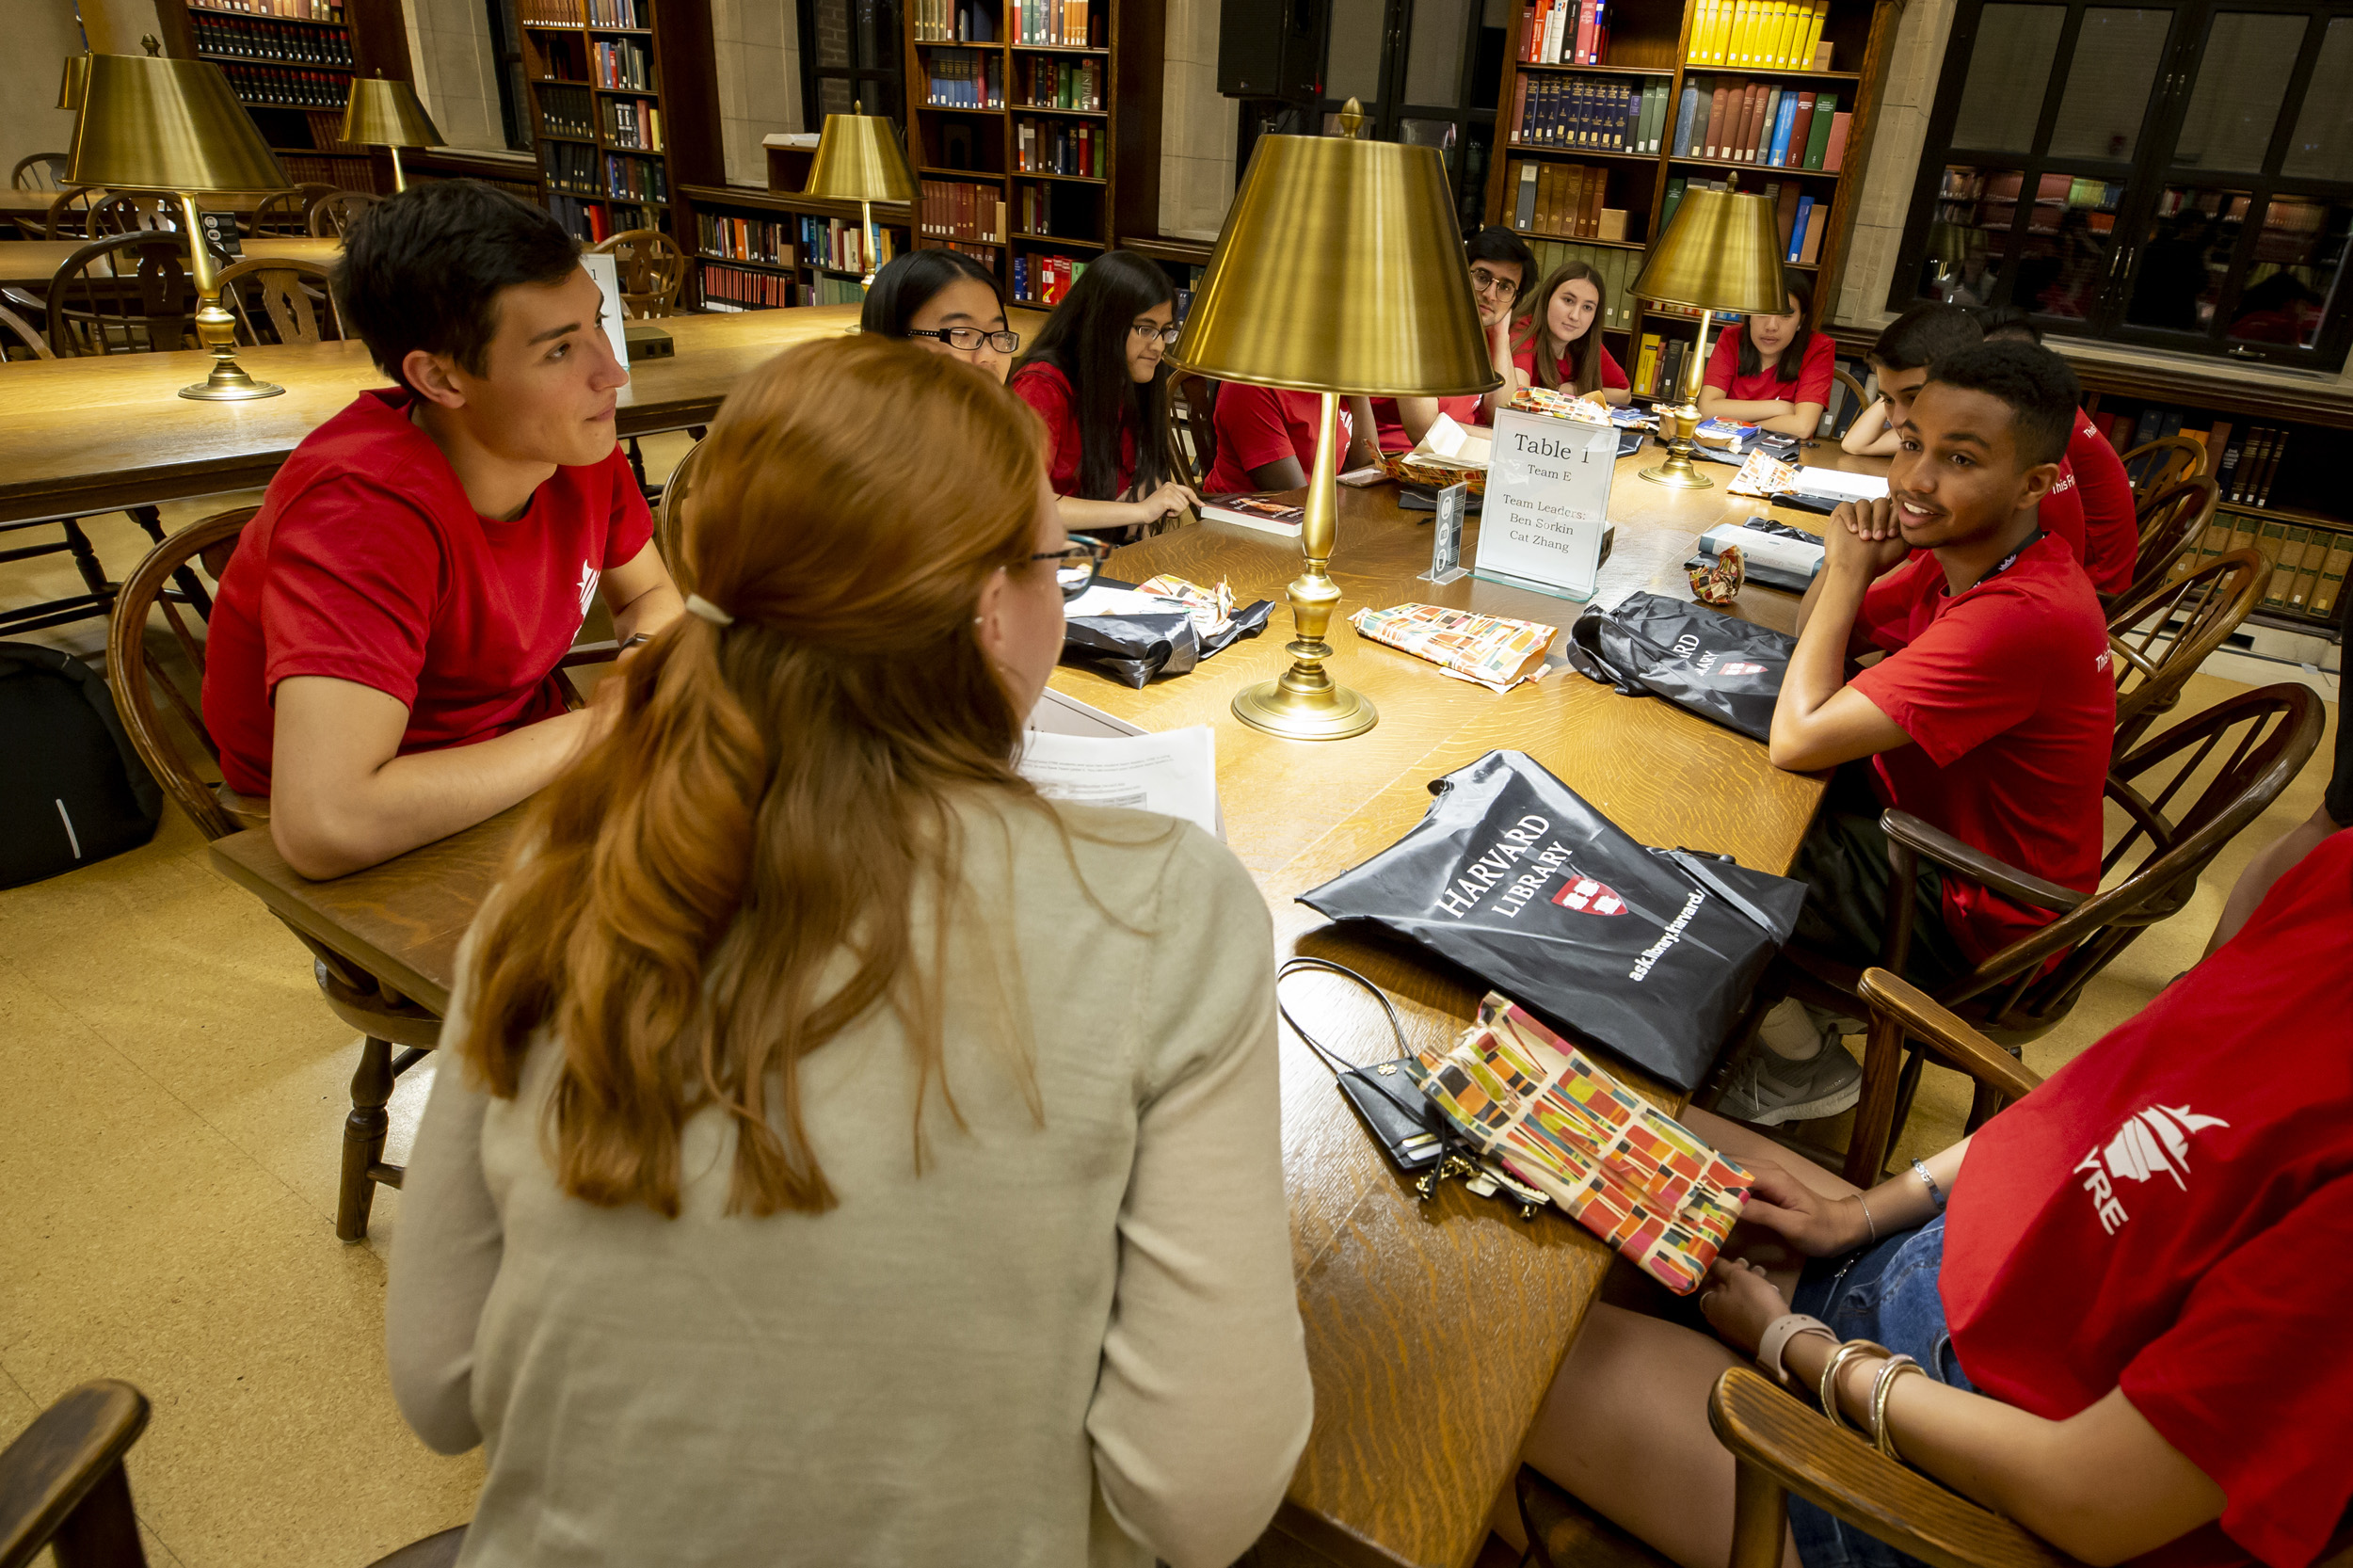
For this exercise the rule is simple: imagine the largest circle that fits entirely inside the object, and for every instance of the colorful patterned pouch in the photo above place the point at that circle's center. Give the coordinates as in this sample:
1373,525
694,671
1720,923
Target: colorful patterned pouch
1632,1175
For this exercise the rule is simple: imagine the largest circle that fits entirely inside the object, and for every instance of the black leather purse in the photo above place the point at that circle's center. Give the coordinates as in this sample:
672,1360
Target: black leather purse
1408,1128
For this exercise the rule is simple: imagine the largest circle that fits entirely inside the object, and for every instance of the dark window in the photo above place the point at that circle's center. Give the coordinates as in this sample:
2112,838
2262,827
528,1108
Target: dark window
2177,175
506,54
849,55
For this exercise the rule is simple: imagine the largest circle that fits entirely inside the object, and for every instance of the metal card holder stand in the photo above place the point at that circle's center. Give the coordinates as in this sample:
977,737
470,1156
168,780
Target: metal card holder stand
1446,537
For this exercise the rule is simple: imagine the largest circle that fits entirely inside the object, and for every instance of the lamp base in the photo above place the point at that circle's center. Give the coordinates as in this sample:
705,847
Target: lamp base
1301,711
237,388
1679,472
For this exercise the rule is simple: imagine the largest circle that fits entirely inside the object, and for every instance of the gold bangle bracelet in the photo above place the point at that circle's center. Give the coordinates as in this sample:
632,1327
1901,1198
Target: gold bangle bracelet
1827,1390
1895,1367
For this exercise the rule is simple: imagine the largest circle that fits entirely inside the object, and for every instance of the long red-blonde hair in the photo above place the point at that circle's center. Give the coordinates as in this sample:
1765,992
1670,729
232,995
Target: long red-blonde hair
730,877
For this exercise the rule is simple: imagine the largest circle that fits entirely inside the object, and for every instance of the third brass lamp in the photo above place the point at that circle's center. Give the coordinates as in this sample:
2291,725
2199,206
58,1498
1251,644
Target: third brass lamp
383,113
1339,271
858,159
1721,251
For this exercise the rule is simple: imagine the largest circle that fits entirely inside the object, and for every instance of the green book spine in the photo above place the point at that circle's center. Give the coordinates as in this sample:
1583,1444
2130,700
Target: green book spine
1817,135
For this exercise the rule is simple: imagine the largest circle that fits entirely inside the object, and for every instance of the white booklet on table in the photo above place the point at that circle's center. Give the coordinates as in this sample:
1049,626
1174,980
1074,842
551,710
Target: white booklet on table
1838,483
1077,752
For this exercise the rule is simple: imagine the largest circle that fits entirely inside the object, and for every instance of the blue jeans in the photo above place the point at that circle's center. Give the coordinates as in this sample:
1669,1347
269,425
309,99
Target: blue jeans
1885,1294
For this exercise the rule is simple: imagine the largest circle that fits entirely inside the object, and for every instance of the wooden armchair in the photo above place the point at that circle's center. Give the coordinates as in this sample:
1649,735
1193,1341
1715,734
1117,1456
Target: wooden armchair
2158,641
40,172
331,215
652,269
2178,805
669,517
1187,411
2171,522
2159,465
277,300
69,212
1857,400
123,294
134,211
286,213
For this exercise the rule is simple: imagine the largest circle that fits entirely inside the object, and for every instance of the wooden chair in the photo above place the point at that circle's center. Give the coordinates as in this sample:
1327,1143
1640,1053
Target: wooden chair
2171,523
123,294
652,269
1857,400
332,214
286,213
68,212
1189,412
277,300
2177,807
63,1485
160,711
40,172
2158,641
669,517
133,212
2168,460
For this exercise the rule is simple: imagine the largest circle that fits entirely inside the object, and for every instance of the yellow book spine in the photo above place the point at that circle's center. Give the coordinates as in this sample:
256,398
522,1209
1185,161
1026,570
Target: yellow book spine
1727,17
1698,34
1793,38
1775,54
1704,29
1814,33
1647,368
1743,31
1719,25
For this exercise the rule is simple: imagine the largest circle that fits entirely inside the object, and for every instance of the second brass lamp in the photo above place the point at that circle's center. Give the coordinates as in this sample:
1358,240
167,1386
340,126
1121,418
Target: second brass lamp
387,113
1721,251
858,159
1339,271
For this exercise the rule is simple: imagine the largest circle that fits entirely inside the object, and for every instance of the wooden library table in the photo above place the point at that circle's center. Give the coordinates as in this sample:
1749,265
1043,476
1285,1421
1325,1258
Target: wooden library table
91,435
31,263
1433,1330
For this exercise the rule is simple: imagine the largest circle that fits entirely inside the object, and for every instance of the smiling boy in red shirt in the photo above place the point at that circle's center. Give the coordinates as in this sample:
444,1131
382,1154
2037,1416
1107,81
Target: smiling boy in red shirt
1991,716
381,662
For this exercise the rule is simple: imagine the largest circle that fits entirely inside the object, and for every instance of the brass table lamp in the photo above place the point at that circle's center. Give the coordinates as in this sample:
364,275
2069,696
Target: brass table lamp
858,159
387,113
1339,271
1721,251
149,124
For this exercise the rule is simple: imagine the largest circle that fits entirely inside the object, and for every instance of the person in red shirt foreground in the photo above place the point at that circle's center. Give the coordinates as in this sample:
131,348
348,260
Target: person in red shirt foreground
1561,344
1773,370
2120,1294
2100,491
1096,376
1991,715
383,649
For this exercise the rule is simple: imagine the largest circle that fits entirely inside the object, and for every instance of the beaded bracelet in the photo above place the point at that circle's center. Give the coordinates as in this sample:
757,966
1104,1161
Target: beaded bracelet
1895,1367
1827,1391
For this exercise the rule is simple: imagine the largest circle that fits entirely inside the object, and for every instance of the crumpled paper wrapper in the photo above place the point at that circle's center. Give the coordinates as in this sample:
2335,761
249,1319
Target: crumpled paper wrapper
1720,585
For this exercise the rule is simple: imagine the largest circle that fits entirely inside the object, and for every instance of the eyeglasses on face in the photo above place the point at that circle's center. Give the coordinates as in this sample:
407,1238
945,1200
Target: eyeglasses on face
967,339
1076,564
1145,329
1484,282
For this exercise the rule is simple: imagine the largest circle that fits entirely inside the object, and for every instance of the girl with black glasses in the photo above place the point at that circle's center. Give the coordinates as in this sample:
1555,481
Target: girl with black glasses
946,302
1095,375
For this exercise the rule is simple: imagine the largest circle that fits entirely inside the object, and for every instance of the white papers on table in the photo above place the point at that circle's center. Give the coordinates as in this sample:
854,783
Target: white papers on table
1839,484
1800,558
1057,714
1174,772
1449,445
1102,601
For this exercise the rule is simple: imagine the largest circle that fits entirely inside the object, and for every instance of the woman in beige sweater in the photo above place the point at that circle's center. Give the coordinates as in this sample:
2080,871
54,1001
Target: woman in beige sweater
840,1155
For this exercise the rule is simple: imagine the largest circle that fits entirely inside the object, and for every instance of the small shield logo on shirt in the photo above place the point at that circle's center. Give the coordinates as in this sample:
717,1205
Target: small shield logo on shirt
1588,897
1742,669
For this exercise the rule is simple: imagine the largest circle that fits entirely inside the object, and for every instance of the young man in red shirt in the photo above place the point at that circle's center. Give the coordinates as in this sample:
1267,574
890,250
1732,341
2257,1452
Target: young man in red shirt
1502,269
1991,715
382,655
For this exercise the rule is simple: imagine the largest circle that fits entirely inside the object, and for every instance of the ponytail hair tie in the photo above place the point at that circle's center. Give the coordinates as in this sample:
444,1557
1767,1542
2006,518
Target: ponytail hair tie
697,605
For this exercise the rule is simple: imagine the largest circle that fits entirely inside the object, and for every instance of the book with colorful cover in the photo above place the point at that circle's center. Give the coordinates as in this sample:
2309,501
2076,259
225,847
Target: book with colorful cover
1493,651
1629,1173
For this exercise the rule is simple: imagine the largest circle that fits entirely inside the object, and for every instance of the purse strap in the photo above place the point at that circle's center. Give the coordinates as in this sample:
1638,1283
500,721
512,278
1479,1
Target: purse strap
1332,1059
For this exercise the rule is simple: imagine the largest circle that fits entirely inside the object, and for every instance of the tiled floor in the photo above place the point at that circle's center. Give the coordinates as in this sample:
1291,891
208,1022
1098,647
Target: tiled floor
171,1094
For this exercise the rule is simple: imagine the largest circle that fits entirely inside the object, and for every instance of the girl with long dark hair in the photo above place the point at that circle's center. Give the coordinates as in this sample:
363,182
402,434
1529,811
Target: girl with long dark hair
1561,344
1773,370
1096,376
945,301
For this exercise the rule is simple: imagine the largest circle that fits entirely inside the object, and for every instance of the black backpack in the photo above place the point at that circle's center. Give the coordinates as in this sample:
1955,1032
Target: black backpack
71,789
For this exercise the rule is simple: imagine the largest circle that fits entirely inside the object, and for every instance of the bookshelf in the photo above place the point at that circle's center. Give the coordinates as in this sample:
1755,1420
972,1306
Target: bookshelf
1035,131
611,141
1589,163
768,249
291,63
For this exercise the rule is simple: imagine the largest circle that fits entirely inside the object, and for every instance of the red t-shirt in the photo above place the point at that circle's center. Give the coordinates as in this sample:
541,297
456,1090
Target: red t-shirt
2061,513
1388,426
1257,426
2111,523
2005,692
368,564
1525,359
2172,1213
1044,388
1811,384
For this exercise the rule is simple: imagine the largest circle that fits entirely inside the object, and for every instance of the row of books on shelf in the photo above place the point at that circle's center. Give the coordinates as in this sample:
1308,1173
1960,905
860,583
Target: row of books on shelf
1802,216
269,43
1617,267
1064,84
1662,366
620,13
1564,32
739,286
953,22
623,65
963,79
548,14
635,179
955,210
1053,148
567,111
744,239
1058,25
842,244
1584,114
593,222
1043,279
2243,461
1760,35
2308,561
1757,122
275,86
293,10
314,169
2248,464
633,122
1565,201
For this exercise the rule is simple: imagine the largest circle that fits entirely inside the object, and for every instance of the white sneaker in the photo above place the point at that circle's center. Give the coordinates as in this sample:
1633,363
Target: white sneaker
1768,1090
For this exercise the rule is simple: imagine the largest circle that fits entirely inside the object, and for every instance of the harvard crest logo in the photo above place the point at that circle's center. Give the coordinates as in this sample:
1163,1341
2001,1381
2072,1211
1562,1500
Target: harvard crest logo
1742,669
1588,897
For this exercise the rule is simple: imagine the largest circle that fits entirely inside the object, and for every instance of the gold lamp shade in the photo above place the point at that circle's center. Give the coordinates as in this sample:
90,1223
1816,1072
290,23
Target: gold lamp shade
158,124
76,79
1721,251
1339,270
387,113
858,159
